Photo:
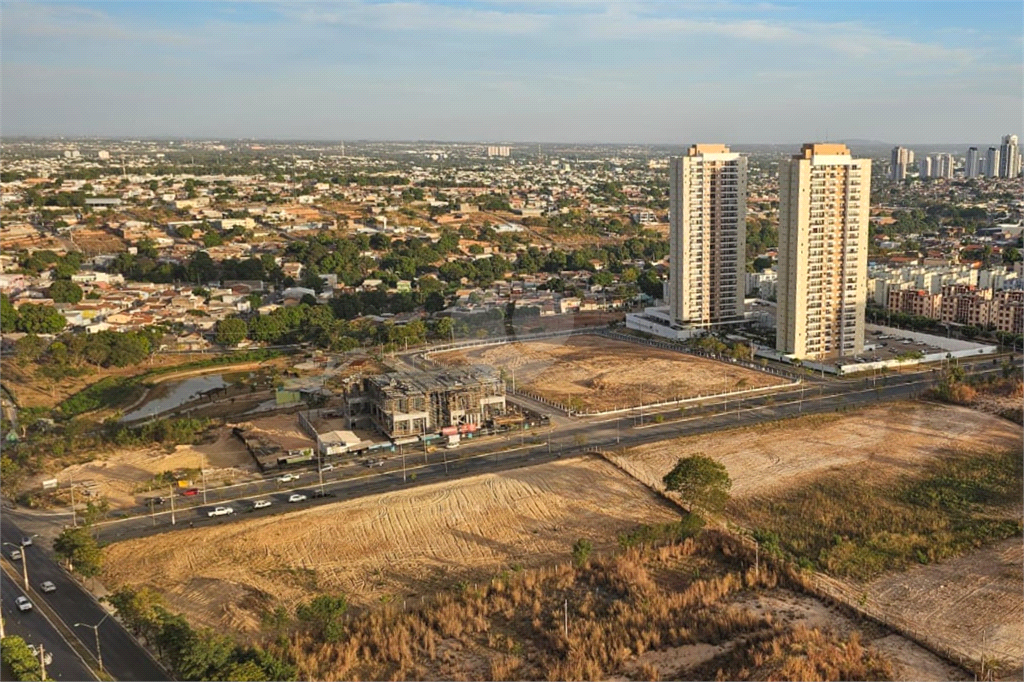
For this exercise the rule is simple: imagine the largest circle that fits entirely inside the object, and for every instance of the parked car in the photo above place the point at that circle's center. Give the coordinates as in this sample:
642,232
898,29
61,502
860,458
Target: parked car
221,511
23,604
47,657
190,492
15,555
297,497
261,504
287,478
47,587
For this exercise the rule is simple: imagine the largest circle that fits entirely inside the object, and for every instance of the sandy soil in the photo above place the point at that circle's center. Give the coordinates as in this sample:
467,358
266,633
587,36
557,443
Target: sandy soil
121,474
973,604
604,374
282,429
400,544
897,438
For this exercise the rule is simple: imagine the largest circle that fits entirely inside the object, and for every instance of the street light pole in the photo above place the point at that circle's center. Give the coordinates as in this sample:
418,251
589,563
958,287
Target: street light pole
172,504
24,565
96,632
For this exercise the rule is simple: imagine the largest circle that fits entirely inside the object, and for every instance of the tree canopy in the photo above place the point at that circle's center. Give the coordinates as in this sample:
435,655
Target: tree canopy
702,483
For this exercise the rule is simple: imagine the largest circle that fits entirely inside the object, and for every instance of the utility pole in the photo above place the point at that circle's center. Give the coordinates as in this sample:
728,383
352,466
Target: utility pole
566,618
172,505
96,632
641,404
42,662
320,469
74,514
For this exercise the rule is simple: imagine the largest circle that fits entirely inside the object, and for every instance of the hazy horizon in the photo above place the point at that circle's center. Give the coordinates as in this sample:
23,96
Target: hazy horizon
514,72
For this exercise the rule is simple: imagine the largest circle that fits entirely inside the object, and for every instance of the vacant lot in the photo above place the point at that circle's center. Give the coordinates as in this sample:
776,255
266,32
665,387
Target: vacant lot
595,373
394,545
122,476
974,604
894,439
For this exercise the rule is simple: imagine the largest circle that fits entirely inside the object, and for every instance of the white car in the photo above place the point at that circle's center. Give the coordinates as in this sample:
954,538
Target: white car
23,604
15,555
327,467
47,657
221,511
261,504
288,478
26,542
297,497
47,587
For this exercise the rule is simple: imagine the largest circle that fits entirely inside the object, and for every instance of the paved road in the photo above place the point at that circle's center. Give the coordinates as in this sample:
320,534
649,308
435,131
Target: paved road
539,447
35,628
123,657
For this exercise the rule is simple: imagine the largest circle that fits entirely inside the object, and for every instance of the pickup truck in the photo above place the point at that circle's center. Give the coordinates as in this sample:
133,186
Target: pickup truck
221,511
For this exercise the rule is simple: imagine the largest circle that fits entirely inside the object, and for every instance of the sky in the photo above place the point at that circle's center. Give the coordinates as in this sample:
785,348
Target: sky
592,72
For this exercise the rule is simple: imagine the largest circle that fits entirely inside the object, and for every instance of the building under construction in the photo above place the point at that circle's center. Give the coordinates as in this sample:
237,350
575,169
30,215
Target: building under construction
410,404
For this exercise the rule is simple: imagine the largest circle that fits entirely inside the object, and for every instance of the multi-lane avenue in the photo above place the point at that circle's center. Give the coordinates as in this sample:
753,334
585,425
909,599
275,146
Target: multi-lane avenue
123,657
570,437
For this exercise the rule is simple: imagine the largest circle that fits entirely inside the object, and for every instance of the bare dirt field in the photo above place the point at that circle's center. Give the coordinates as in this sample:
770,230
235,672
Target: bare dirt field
121,476
973,604
601,374
394,545
282,429
894,439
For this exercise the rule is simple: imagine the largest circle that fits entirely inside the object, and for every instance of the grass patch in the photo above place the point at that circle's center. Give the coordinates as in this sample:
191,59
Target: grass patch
662,533
847,527
109,392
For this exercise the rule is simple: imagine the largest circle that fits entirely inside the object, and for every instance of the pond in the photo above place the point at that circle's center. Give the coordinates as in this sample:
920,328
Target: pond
172,394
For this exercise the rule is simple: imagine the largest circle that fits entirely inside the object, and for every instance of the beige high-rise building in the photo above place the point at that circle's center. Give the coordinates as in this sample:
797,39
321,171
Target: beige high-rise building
708,236
824,197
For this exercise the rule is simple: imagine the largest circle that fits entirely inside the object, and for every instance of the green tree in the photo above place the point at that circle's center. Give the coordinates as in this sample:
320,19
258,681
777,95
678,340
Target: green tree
9,319
79,548
40,319
138,609
702,483
231,332
16,655
184,231
212,238
323,616
65,291
581,550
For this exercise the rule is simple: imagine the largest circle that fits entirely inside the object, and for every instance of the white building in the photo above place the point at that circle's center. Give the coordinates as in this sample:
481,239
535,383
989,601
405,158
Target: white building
972,167
824,197
707,236
992,162
1009,157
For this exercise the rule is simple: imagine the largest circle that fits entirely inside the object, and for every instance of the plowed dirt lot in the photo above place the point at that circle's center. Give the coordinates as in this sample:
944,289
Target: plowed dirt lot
395,545
897,438
600,374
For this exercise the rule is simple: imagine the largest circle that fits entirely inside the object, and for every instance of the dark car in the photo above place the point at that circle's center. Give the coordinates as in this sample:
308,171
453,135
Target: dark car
321,493
155,500
190,492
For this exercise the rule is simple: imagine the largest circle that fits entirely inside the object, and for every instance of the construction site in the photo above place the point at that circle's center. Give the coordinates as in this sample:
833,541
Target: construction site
416,403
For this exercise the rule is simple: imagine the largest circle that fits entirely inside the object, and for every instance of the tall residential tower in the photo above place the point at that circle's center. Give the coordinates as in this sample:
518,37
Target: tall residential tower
707,242
824,197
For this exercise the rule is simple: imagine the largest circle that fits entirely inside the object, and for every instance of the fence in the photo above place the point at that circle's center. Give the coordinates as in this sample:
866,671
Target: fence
984,661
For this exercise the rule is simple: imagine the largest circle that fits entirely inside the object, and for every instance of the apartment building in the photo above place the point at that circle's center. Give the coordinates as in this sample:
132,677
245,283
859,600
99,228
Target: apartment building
900,162
824,196
967,305
915,302
707,237
974,163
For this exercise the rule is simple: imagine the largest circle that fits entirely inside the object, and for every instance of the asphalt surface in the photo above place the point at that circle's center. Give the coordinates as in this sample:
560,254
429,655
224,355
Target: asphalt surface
527,449
123,656
35,628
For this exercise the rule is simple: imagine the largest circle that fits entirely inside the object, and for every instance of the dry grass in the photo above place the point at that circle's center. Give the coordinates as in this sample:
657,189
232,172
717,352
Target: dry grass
881,442
595,373
393,546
